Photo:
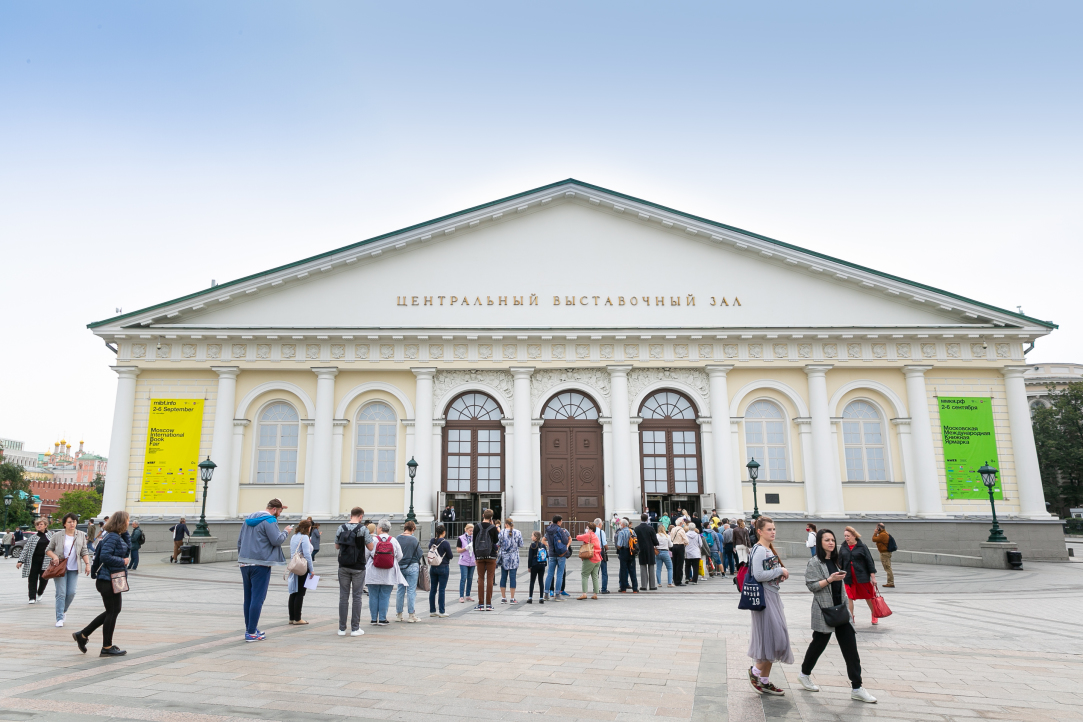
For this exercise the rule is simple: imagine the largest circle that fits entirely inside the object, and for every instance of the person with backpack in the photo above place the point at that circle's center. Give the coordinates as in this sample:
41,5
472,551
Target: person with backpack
352,540
558,540
769,641
383,573
591,556
138,539
301,543
467,563
486,550
627,544
680,541
647,544
885,544
259,547
439,559
511,541
536,560
410,566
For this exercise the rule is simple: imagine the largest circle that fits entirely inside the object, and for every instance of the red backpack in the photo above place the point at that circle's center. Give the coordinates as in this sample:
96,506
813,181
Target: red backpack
383,556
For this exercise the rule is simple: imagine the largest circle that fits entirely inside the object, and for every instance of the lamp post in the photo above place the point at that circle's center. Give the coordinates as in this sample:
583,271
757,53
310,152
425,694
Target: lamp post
411,467
8,498
753,467
206,471
989,478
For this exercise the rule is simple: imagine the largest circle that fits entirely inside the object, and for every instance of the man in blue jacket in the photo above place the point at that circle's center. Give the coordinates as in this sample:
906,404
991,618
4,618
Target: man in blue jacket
259,547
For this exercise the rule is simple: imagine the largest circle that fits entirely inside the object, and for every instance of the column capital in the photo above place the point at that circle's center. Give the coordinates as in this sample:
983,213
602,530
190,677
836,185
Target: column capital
537,422
507,423
126,372
424,372
818,369
619,371
915,370
241,422
340,422
226,372
1014,372
803,421
635,420
718,369
903,422
704,421
325,372
521,372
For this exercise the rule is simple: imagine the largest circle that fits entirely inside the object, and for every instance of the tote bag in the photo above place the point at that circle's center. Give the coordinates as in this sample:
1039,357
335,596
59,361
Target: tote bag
879,605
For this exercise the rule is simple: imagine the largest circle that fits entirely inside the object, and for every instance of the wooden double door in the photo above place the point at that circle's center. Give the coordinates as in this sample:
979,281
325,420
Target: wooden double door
573,482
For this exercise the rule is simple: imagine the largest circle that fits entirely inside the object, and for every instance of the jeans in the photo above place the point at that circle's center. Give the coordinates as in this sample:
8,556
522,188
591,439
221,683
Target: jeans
678,564
255,579
664,560
591,573
844,635
409,591
555,574
350,584
605,574
812,552
296,600
438,577
717,559
486,577
627,570
379,601
107,620
466,580
729,558
505,576
135,558
646,576
65,591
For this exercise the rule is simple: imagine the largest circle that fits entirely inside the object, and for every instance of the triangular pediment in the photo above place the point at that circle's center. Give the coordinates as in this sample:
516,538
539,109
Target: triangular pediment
535,260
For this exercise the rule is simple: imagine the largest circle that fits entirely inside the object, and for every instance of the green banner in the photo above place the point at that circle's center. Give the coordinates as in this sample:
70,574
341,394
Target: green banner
969,442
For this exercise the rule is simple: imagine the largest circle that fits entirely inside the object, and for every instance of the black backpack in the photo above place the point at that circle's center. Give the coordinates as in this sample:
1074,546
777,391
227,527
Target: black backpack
350,553
891,545
483,543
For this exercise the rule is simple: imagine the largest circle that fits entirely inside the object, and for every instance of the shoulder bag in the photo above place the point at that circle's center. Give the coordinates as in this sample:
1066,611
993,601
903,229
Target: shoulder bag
836,615
298,564
422,571
120,581
752,593
879,605
586,552
59,568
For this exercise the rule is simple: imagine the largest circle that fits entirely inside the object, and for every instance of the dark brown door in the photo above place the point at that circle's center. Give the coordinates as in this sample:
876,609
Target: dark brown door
572,479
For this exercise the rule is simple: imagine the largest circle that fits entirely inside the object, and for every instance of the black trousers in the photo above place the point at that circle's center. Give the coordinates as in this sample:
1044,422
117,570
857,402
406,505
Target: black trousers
296,600
691,570
538,573
107,620
34,583
678,564
847,640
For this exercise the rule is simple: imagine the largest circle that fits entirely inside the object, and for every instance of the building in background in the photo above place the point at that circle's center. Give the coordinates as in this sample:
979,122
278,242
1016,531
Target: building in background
1040,377
53,474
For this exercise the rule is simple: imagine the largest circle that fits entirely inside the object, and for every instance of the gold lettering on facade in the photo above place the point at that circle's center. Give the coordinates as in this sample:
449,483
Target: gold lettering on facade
533,299
453,300
400,300
477,301
582,300
608,302
659,300
442,300
633,300
428,300
569,301
489,300
413,301
675,301
736,301
518,300
502,300
689,300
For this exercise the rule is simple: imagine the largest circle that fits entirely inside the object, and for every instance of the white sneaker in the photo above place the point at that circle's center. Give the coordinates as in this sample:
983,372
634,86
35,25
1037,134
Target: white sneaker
31,601
398,617
342,632
806,682
357,632
411,619
433,614
60,622
443,615
862,696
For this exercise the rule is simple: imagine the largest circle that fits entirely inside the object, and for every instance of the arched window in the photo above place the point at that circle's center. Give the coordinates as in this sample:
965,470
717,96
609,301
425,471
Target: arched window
474,440
277,452
765,439
377,434
863,435
669,445
570,405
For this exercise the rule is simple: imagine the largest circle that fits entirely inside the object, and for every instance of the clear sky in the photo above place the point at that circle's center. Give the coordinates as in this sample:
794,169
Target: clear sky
146,148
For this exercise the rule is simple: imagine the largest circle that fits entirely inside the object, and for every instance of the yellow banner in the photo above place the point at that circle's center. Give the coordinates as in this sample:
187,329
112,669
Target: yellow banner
169,467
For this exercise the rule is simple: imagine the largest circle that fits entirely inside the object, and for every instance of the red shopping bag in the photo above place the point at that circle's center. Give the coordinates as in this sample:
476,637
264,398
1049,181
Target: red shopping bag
880,609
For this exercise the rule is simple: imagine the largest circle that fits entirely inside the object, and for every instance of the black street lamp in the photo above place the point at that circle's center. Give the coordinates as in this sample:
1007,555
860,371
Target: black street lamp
411,467
753,467
989,478
206,471
8,498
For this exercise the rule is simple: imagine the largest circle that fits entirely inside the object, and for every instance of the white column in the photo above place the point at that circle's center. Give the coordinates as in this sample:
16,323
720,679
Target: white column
437,468
827,487
237,452
221,487
804,434
339,426
636,465
1028,476
411,452
836,454
707,473
424,481
508,495
906,449
115,497
535,460
310,455
623,496
925,478
522,488
319,497
607,462
727,484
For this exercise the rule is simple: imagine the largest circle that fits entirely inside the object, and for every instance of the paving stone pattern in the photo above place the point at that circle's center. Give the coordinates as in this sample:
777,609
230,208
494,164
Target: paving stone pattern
963,644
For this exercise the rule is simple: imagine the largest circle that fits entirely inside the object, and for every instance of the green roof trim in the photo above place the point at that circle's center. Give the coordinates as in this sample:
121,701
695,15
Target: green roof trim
572,181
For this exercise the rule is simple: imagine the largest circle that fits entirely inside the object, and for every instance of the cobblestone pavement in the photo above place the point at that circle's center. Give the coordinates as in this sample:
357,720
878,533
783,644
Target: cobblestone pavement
963,644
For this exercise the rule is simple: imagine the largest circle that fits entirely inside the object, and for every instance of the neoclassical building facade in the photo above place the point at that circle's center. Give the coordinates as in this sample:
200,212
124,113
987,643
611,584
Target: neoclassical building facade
577,351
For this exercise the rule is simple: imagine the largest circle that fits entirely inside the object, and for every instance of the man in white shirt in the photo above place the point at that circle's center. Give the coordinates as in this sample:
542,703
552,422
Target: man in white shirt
811,541
600,531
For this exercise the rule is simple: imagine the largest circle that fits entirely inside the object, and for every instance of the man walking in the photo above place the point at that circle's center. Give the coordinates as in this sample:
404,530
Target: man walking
885,543
351,541
486,545
138,539
647,541
604,541
259,547
559,540
180,530
626,554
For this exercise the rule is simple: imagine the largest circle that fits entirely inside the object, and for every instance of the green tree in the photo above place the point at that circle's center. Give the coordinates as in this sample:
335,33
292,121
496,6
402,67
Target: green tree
99,484
1058,435
84,503
13,481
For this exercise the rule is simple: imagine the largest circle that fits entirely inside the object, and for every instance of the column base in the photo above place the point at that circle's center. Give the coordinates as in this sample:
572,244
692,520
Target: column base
208,548
933,515
994,555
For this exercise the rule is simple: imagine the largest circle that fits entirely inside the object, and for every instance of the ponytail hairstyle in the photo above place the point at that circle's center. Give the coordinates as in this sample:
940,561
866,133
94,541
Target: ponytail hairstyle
760,523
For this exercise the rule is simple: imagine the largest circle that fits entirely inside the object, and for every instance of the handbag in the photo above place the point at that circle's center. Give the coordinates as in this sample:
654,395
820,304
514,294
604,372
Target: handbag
879,605
586,552
423,577
56,569
298,564
752,595
120,581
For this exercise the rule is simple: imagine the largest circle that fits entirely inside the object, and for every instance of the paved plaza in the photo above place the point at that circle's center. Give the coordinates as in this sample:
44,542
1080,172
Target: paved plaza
963,644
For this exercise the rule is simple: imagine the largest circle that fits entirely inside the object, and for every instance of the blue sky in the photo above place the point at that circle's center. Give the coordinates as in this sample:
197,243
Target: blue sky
146,148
